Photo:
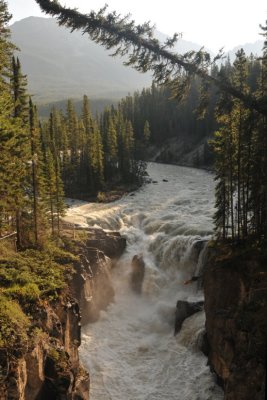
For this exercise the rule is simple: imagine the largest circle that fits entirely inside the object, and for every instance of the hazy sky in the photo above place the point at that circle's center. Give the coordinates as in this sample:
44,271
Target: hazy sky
212,23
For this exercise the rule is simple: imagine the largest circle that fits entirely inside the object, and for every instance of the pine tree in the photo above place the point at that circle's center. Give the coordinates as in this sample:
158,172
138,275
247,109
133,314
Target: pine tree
19,87
37,175
112,148
97,157
20,113
147,132
73,140
88,131
34,161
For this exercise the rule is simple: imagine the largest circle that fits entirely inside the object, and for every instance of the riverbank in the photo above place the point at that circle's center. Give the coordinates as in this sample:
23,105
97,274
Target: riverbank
108,194
42,295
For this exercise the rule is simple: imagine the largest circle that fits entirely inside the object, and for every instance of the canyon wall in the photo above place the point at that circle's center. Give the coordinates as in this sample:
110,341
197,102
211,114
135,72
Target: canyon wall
235,288
49,367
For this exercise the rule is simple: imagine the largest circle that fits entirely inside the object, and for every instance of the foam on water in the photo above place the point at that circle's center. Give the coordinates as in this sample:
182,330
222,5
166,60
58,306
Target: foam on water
131,351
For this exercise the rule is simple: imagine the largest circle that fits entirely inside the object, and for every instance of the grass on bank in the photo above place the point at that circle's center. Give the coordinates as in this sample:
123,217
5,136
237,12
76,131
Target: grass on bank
28,279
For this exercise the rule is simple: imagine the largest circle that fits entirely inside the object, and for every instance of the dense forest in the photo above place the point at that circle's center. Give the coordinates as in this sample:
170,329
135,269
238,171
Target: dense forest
95,152
185,121
41,162
240,148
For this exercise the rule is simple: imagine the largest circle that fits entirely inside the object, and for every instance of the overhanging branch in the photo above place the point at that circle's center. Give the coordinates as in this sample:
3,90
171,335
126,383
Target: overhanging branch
144,51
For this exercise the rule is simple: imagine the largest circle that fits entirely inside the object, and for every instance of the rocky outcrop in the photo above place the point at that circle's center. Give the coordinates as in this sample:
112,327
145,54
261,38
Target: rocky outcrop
110,243
91,284
184,309
49,368
138,273
235,287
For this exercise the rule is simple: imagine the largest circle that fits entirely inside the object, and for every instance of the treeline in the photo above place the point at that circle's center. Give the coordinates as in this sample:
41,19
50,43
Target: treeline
240,147
95,153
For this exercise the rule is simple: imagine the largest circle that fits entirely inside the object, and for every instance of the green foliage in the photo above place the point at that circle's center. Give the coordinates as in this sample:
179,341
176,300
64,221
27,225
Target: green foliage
35,273
101,197
13,324
27,279
59,357
24,180
23,294
89,154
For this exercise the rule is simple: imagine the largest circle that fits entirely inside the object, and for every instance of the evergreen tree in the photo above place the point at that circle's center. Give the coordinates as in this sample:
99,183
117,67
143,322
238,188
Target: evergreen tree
20,113
37,176
19,87
88,124
147,132
73,136
112,147
97,157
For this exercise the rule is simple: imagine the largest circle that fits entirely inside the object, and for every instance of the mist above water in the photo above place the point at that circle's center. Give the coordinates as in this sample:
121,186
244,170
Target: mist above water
131,352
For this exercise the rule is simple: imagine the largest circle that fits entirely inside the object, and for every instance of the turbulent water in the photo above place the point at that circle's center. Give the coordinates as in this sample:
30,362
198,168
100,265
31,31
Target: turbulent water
131,352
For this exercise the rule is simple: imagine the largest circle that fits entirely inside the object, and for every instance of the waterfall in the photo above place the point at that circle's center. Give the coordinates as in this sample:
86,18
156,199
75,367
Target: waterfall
131,351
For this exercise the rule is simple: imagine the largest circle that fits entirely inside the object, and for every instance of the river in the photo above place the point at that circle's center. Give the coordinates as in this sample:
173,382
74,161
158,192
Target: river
131,352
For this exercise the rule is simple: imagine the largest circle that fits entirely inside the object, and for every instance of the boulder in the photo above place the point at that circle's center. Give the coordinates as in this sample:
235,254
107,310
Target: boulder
138,273
184,309
110,243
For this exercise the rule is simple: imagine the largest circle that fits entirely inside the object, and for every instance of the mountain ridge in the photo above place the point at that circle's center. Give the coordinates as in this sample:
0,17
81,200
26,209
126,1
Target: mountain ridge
60,64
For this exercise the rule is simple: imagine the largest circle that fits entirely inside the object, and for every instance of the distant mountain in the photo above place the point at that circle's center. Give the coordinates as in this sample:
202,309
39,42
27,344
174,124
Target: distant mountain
60,64
254,48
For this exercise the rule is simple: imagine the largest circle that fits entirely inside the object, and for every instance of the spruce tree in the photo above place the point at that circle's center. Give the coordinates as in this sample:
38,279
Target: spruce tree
88,124
18,87
97,156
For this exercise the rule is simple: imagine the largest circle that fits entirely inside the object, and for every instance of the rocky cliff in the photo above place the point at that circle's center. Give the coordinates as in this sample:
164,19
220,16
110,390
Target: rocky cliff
91,285
235,287
48,367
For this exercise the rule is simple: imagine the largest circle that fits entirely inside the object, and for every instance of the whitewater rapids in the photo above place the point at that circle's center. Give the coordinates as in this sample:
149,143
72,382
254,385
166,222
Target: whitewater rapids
131,352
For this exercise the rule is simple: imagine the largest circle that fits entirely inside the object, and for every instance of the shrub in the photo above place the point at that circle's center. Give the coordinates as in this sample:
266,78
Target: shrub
24,294
13,324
